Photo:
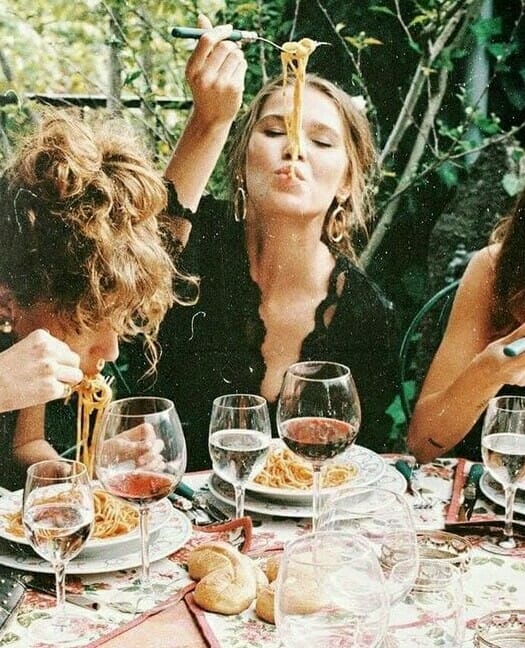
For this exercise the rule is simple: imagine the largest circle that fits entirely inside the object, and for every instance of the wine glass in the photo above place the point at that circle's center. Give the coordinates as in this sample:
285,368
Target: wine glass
239,440
385,520
318,415
433,613
58,514
140,457
503,452
330,592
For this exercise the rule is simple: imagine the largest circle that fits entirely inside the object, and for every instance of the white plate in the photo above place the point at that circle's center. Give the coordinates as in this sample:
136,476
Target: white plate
493,490
369,464
391,480
159,515
172,536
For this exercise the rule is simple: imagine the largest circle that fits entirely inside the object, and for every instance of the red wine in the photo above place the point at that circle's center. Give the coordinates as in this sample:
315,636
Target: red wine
140,485
58,531
316,438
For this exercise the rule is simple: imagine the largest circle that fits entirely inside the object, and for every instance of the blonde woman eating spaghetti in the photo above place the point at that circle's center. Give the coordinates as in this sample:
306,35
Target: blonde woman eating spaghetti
279,278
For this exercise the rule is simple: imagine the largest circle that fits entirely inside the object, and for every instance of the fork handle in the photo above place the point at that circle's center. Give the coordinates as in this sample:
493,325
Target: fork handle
196,33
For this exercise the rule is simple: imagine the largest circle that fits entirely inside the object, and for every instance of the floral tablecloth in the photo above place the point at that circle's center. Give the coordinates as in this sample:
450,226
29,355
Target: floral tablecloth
492,581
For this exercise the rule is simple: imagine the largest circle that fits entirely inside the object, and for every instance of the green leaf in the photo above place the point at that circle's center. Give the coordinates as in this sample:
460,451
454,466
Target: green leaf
131,77
486,28
513,184
448,173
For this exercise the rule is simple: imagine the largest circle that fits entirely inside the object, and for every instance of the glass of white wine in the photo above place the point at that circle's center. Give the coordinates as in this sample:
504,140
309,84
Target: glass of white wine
503,452
58,514
239,440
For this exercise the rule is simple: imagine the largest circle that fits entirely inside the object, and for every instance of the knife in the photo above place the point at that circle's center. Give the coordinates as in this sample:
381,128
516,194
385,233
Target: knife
470,492
202,500
45,584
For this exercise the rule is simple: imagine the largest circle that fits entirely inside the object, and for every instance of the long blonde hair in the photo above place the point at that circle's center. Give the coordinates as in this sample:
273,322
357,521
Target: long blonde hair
359,145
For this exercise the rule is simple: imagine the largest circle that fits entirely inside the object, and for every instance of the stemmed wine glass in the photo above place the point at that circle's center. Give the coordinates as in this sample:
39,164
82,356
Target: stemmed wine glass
239,440
140,457
330,592
318,415
385,520
58,514
503,452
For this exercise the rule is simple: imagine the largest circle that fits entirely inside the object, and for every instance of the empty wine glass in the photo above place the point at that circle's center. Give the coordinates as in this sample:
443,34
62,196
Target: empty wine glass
58,513
239,440
140,457
503,452
330,592
318,415
385,520
433,613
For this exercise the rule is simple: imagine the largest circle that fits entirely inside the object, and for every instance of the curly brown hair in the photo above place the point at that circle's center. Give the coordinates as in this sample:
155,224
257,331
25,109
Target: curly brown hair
80,227
360,150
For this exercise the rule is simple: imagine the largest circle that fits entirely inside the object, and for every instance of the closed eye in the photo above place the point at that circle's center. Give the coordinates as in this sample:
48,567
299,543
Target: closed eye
274,132
322,143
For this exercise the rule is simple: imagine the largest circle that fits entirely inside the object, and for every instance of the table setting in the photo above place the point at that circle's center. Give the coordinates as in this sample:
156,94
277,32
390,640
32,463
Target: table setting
371,550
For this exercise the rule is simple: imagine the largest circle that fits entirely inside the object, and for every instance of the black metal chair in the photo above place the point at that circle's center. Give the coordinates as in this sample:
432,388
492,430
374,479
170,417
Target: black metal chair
438,309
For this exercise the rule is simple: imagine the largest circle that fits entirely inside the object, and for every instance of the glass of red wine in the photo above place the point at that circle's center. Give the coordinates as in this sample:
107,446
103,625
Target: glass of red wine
140,458
318,415
57,515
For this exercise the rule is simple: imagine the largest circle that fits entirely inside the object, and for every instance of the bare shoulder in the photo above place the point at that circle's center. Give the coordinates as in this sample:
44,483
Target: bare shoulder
478,279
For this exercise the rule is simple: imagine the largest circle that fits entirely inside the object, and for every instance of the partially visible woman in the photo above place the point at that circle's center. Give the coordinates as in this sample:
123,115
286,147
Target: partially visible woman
470,367
279,278
81,256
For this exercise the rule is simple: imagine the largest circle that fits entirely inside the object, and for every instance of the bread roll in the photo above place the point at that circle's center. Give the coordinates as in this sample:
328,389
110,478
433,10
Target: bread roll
227,579
271,566
264,606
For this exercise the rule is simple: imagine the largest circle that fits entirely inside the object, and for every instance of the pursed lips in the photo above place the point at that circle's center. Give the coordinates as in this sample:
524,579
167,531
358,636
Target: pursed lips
290,172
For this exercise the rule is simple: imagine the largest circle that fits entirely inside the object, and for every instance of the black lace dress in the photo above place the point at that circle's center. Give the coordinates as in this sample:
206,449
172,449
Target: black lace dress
214,347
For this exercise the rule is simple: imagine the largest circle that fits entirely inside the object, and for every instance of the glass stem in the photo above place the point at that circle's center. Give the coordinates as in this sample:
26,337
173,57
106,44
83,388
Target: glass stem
60,588
316,496
239,500
509,542
144,545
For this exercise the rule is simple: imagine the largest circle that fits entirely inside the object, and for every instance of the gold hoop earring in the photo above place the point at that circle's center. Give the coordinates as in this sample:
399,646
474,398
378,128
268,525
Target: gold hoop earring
336,224
239,202
6,326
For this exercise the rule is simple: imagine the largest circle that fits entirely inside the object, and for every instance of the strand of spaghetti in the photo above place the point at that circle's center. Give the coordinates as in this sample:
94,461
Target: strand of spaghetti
94,394
294,59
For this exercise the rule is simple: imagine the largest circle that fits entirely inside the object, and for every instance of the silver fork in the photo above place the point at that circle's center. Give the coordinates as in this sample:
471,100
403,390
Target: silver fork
424,501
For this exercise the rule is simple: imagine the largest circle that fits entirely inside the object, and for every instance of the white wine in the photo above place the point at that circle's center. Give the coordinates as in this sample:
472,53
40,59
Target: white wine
504,456
57,531
238,455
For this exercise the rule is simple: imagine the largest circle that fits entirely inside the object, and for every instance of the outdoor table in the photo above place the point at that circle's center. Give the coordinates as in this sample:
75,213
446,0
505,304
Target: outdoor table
492,582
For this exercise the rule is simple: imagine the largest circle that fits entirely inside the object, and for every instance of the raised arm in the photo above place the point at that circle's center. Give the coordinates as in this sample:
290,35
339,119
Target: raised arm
468,368
215,73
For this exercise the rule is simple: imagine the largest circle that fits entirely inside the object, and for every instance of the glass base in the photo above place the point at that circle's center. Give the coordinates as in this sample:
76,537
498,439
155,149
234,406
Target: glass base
62,630
501,545
389,641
